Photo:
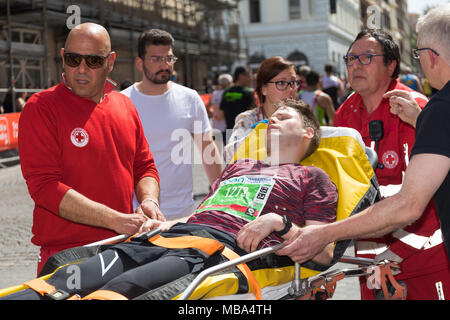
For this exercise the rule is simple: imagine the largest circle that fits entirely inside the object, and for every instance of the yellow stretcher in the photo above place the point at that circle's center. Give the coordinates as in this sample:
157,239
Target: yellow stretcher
343,155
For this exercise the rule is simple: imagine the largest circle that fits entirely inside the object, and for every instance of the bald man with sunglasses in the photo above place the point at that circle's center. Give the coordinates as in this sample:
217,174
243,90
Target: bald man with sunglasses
83,152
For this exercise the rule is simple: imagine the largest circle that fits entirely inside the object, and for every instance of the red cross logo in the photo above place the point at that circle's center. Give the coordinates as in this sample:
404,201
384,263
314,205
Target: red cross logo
390,159
79,137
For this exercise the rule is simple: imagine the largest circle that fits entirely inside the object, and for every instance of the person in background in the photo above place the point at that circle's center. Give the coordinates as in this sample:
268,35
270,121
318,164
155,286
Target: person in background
83,151
276,80
239,97
331,85
302,72
320,102
408,78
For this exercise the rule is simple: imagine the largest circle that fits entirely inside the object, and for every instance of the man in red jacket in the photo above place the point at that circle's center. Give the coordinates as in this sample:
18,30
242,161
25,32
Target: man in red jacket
373,64
83,151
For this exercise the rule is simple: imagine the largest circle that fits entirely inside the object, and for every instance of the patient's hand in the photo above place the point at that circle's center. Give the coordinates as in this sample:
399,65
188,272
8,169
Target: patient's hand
253,232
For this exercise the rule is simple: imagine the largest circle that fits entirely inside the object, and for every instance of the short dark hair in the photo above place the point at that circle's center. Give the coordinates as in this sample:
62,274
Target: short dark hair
156,37
329,68
238,71
391,50
309,121
269,69
312,78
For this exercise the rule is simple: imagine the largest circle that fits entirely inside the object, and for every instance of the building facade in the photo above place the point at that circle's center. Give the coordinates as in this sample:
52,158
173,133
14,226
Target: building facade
311,32
317,32
33,32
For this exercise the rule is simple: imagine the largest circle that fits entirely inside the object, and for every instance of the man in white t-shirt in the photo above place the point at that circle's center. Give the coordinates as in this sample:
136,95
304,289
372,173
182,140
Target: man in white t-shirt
171,114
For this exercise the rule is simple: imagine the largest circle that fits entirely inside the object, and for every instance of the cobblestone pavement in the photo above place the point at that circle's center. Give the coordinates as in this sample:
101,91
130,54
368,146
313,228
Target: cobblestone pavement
18,256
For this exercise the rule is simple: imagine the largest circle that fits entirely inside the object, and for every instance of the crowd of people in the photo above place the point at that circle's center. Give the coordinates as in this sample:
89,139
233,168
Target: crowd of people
87,151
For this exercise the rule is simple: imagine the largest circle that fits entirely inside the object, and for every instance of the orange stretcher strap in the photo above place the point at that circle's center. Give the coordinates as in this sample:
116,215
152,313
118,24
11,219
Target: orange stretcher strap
208,246
230,255
104,295
40,286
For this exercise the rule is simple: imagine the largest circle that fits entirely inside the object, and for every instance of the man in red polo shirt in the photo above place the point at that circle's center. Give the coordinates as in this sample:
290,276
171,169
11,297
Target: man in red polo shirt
373,64
83,151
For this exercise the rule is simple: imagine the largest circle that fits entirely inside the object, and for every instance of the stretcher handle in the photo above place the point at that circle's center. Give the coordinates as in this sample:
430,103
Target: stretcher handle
226,265
357,260
362,261
123,237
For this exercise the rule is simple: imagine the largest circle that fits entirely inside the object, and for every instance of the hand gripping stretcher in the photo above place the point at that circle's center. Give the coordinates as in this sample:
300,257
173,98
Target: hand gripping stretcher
347,161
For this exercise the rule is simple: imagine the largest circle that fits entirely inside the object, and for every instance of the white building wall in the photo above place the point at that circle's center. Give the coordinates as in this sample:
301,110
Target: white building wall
317,34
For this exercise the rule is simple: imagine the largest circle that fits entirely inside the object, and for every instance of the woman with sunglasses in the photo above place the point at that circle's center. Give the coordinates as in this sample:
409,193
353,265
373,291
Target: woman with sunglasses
276,80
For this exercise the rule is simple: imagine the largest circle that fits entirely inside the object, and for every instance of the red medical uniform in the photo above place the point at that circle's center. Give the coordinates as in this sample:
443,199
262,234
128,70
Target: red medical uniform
420,244
68,142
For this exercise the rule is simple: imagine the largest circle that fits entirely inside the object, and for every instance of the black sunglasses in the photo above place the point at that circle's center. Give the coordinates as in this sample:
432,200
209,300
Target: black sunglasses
92,61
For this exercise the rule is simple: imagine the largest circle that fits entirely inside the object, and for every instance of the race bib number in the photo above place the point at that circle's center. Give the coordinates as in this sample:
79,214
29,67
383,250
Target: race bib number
243,197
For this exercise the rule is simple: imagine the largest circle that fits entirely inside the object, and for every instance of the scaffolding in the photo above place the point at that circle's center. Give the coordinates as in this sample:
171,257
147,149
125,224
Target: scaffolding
206,33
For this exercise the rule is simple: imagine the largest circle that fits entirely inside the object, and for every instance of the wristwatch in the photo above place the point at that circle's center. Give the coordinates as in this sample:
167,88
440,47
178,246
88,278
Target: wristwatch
287,226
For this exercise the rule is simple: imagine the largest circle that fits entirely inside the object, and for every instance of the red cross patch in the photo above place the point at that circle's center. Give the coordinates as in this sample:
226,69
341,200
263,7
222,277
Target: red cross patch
79,137
390,159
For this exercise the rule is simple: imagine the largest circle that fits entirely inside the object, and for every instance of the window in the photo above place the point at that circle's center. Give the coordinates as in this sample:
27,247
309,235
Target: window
294,9
333,6
255,11
311,8
386,20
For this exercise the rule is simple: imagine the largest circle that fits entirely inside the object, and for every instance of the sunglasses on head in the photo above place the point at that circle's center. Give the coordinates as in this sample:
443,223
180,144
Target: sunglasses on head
92,61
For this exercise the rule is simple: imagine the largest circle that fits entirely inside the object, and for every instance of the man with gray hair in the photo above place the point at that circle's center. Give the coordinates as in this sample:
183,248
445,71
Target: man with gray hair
427,176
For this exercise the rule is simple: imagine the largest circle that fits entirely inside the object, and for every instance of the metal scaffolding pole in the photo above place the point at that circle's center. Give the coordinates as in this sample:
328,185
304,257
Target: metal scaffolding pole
45,40
11,62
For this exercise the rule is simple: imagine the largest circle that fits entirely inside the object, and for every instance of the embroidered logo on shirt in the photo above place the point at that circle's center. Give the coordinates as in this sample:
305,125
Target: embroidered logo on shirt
390,159
79,137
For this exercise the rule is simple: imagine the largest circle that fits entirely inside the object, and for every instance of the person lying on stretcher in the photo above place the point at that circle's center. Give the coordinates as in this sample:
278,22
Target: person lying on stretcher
254,204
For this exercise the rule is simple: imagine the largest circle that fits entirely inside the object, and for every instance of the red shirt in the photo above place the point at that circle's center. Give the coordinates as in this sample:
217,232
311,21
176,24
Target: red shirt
391,153
301,192
99,150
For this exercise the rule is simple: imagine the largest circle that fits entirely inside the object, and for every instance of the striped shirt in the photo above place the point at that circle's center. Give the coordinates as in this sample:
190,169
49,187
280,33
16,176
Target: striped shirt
300,192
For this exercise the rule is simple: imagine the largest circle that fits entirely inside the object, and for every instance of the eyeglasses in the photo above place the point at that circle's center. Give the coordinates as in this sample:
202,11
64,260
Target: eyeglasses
282,85
159,59
92,61
363,58
416,52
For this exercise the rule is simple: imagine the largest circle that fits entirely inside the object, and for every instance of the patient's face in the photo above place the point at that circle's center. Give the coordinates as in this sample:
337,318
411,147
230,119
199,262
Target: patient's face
286,129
